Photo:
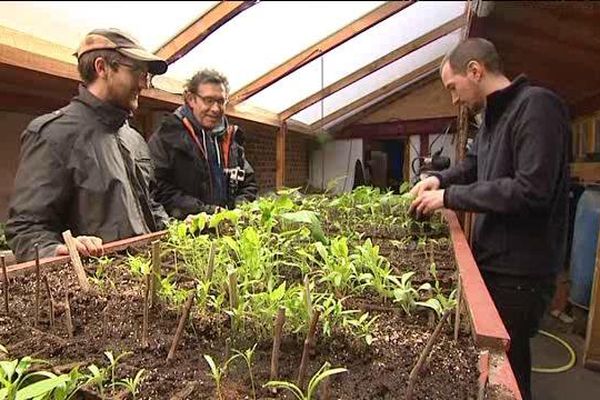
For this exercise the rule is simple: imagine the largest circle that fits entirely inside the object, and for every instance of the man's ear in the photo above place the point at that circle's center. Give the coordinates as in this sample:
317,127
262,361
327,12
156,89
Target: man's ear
187,97
101,67
475,69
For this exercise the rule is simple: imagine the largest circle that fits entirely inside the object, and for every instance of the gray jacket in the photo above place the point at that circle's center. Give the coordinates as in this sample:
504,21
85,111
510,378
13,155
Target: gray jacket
85,169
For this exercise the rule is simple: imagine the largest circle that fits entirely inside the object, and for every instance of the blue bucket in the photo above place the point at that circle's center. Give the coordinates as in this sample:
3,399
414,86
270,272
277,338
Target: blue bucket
583,250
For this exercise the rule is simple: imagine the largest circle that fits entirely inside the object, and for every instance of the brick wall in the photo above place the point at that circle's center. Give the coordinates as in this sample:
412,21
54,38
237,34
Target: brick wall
297,160
260,152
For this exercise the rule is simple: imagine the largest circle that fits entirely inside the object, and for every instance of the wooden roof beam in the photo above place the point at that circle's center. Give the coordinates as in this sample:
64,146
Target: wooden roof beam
389,58
35,70
200,29
329,43
383,91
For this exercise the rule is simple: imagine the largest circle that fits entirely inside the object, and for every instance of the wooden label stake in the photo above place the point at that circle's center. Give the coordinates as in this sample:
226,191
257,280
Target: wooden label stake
76,261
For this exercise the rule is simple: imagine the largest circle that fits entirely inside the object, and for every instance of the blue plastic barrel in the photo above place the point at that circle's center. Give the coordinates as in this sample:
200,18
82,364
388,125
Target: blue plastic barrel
583,250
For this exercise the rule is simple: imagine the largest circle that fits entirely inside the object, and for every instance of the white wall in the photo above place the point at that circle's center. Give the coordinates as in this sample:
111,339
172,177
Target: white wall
335,159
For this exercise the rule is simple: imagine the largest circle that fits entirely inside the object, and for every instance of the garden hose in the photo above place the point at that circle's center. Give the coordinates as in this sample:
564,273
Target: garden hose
564,368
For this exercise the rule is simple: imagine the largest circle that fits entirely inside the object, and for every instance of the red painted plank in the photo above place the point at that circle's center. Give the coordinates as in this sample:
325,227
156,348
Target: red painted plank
501,374
488,329
109,248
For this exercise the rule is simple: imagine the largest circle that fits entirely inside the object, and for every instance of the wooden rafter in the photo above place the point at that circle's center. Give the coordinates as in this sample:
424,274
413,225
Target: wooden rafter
389,58
318,49
410,88
60,77
200,29
280,155
385,90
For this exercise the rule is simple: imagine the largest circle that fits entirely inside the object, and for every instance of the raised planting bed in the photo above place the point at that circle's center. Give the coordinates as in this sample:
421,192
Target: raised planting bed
361,289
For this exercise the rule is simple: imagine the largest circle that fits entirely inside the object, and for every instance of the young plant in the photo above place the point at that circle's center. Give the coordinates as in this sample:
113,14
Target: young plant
404,293
362,327
132,384
114,363
313,384
97,378
218,372
100,272
248,355
138,265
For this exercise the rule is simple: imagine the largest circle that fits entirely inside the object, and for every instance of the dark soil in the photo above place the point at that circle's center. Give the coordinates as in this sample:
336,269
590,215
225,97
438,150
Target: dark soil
110,319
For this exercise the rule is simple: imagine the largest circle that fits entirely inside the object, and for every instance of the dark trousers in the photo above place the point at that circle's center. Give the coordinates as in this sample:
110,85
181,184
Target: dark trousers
521,302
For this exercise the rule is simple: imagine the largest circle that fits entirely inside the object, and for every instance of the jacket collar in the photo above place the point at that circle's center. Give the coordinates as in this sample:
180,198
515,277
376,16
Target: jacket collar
218,131
498,101
111,116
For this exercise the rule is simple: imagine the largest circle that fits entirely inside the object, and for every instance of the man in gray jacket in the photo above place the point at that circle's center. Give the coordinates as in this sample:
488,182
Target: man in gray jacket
83,167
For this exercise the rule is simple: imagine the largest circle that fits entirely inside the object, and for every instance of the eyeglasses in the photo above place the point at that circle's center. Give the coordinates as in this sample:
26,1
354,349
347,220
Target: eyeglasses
210,101
138,69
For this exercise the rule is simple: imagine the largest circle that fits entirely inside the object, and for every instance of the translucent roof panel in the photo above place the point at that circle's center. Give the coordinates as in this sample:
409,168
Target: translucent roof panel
379,78
374,43
65,23
266,35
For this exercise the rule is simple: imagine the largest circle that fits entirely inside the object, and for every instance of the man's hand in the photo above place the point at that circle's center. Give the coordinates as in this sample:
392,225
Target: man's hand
188,220
86,245
427,202
429,183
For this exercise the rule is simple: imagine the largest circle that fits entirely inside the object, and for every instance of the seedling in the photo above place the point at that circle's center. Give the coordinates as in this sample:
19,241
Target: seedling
247,355
218,372
132,384
313,384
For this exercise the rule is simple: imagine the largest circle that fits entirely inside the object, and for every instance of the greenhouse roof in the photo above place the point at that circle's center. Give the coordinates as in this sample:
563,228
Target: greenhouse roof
314,62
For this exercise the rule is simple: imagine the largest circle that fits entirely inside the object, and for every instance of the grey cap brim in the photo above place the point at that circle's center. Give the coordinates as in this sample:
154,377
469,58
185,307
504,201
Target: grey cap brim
156,65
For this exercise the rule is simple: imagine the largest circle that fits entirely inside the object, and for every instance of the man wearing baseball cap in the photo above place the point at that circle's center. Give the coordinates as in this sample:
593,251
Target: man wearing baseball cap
83,167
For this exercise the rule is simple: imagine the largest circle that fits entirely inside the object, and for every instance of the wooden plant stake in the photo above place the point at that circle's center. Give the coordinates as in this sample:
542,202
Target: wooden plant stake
5,283
414,374
156,266
458,306
51,300
68,319
276,344
227,348
307,296
233,293
307,343
38,284
211,261
147,300
184,316
76,261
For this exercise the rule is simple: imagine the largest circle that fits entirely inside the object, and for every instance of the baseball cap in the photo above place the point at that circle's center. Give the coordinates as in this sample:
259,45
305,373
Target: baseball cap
114,39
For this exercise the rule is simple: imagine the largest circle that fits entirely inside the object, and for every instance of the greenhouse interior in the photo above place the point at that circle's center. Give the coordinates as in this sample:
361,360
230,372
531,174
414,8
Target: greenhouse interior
300,200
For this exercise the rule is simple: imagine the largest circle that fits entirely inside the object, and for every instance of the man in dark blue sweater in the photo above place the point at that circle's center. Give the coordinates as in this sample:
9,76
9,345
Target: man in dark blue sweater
516,178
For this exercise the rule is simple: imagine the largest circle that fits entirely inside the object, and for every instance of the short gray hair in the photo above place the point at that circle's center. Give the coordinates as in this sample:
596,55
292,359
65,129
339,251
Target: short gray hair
206,76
